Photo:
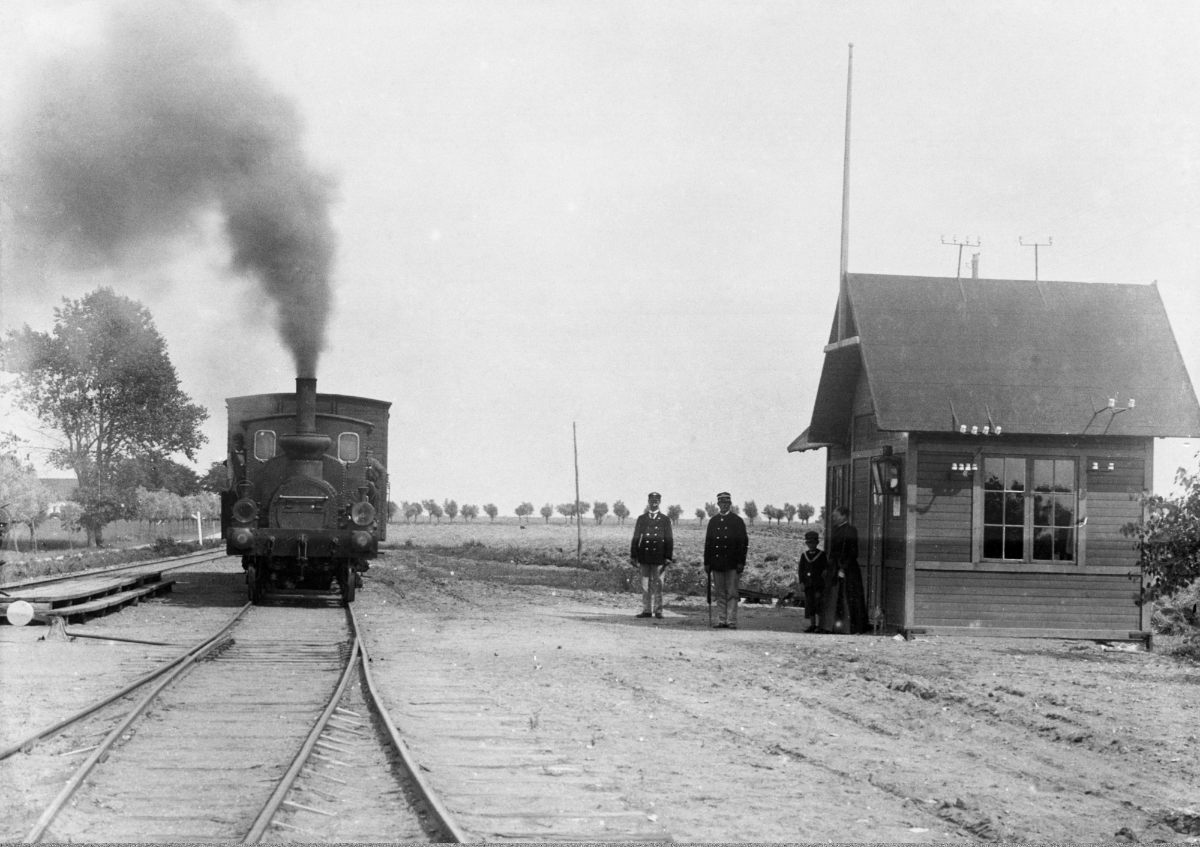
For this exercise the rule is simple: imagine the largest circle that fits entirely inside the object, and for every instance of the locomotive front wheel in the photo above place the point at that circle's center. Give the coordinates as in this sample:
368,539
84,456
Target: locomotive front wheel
253,588
347,582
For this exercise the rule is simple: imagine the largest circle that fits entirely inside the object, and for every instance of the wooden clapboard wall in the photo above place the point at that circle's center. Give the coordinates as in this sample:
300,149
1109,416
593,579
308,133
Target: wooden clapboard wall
1096,593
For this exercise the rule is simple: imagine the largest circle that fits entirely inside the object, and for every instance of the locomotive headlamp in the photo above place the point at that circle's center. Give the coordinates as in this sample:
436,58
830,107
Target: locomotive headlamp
245,510
363,513
361,540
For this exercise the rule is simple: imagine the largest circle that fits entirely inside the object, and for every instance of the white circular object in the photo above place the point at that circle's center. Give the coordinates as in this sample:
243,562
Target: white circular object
19,613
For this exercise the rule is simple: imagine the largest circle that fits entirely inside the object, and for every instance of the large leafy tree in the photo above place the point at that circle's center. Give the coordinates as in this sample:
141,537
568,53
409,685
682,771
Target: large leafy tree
102,380
156,473
216,479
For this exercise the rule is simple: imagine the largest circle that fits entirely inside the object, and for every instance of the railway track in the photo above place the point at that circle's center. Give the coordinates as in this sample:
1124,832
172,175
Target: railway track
269,730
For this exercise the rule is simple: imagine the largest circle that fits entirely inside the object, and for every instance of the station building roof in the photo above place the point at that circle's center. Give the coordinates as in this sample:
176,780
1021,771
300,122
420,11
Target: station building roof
1031,357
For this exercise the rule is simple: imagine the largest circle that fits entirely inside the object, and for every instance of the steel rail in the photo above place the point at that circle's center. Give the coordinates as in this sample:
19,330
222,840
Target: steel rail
358,658
181,665
259,827
441,814
54,729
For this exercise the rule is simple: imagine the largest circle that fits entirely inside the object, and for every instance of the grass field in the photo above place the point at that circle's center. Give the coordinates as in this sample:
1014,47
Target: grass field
770,565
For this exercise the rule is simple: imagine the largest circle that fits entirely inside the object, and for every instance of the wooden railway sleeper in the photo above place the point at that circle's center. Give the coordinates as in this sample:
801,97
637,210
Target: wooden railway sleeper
333,745
312,772
337,762
293,804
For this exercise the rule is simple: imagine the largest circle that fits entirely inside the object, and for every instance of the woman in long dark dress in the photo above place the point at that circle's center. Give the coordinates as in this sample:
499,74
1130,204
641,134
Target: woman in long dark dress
842,550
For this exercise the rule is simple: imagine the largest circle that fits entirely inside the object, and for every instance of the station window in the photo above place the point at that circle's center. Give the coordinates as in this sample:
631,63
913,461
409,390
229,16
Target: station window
264,445
1029,509
348,447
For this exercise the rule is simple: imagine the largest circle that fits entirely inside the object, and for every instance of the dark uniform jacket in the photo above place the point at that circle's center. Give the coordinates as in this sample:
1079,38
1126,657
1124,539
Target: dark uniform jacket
653,542
725,543
812,569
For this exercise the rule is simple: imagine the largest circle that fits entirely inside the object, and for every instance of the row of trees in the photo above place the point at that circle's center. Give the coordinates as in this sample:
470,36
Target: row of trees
413,510
30,503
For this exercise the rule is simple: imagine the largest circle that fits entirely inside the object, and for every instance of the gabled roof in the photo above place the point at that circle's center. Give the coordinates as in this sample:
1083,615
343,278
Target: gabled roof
1034,358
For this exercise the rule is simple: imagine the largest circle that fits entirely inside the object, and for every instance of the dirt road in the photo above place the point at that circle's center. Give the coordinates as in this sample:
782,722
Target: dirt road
768,734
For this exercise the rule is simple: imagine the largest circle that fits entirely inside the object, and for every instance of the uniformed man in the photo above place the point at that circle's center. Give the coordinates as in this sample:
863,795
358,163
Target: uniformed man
725,546
652,549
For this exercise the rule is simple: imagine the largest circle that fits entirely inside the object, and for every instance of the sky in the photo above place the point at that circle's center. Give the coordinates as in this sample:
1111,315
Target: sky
614,224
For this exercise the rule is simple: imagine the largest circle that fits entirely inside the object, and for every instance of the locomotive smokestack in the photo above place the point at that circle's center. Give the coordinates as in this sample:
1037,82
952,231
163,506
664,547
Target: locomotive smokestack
306,404
306,446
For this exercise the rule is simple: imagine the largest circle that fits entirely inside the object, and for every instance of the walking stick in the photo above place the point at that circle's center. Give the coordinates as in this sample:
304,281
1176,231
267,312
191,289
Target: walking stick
709,597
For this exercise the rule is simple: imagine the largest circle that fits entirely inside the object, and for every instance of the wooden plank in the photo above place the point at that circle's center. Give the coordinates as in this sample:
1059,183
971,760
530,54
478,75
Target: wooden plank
1027,599
1089,634
1000,582
1035,568
1127,599
105,602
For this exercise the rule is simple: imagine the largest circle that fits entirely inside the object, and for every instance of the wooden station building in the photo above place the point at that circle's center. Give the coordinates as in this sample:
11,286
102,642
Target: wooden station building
991,438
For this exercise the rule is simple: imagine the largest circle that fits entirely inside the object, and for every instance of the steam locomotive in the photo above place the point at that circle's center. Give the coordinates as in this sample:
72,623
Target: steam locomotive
307,501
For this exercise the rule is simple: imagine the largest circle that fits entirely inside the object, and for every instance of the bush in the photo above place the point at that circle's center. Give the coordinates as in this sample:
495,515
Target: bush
166,547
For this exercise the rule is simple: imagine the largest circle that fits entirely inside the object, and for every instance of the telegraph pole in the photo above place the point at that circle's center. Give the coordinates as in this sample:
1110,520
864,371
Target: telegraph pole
966,242
1035,245
578,515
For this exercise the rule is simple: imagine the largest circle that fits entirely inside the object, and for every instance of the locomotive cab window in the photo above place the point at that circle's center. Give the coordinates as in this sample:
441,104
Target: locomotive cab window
348,447
264,444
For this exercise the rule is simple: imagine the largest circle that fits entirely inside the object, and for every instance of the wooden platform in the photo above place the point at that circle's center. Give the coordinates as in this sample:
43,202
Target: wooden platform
80,599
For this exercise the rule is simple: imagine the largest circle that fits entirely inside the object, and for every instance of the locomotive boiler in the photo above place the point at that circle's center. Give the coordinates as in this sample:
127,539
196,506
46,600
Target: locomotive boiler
307,502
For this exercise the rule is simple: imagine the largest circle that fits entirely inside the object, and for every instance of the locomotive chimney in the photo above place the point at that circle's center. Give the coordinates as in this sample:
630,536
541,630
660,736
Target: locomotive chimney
306,404
306,446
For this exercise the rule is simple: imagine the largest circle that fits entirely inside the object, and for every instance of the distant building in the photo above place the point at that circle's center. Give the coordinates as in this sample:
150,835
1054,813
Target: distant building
991,438
59,490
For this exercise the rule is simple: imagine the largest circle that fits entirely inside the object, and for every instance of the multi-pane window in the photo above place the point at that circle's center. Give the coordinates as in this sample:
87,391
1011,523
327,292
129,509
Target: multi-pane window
1003,508
1024,525
1054,508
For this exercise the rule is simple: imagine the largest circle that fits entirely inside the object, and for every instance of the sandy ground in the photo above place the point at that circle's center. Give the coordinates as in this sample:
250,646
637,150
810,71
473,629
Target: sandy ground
758,734
768,734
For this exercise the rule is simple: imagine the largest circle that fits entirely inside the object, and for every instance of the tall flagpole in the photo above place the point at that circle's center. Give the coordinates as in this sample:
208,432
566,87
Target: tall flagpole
843,297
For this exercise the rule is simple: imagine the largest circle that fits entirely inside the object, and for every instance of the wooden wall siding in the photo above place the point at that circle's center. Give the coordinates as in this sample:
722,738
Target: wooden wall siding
865,434
1107,546
1128,475
860,502
1029,601
943,511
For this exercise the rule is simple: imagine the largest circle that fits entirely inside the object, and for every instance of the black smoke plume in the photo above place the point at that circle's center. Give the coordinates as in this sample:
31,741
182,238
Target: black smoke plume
121,147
